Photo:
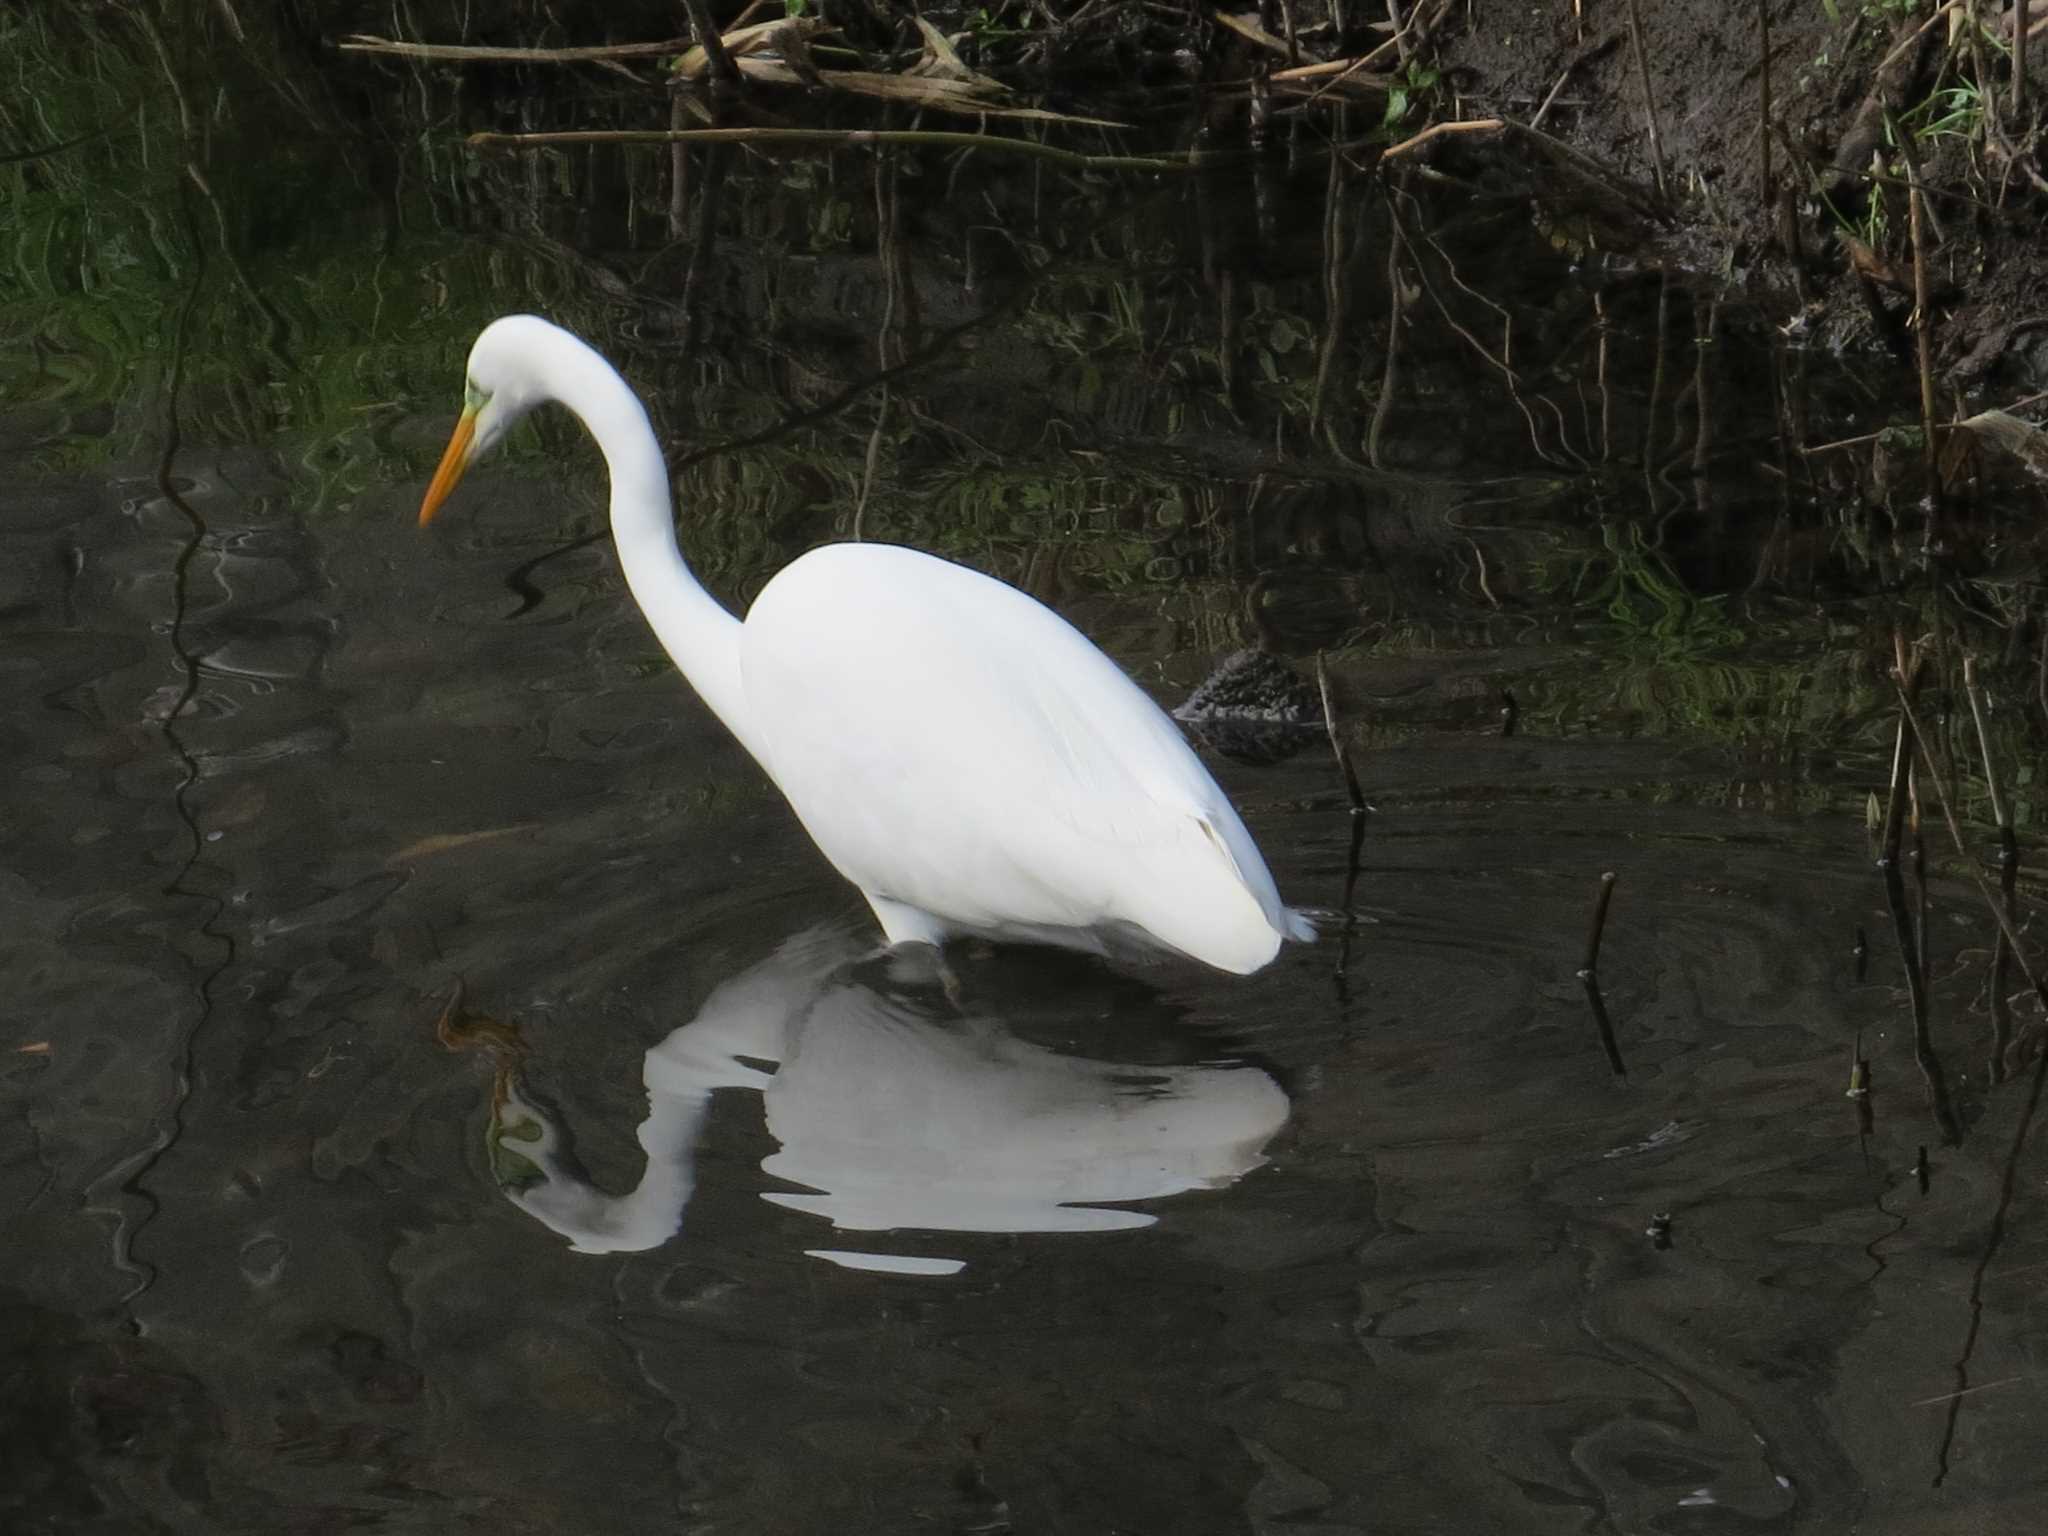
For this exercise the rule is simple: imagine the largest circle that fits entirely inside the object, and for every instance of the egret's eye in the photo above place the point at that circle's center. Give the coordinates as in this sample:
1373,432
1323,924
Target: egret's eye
473,398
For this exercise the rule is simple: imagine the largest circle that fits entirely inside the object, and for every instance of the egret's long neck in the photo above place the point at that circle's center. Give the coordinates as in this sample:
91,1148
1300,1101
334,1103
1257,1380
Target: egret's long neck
700,636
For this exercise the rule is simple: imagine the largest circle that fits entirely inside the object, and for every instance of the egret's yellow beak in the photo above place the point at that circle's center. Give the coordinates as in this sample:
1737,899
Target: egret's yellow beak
453,463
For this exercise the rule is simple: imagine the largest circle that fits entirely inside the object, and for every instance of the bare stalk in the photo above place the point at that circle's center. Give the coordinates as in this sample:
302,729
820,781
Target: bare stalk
2021,16
1336,735
1635,35
1589,977
470,53
1955,832
712,41
1763,15
834,137
1591,964
2008,878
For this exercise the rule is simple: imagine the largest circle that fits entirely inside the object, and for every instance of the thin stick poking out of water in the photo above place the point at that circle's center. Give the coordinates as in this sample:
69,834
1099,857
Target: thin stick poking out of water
1591,964
1358,805
1589,974
1955,832
2008,877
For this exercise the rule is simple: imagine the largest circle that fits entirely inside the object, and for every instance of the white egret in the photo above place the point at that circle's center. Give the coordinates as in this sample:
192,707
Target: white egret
956,749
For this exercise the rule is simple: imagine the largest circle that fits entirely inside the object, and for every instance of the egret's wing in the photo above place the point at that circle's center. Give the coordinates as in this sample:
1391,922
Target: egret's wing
954,745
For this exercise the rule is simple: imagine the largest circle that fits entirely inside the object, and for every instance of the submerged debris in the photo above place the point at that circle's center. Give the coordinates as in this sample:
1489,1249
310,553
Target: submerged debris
1254,708
1254,686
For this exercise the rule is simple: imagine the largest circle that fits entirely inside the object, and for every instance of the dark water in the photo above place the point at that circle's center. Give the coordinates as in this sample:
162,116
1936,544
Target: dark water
444,1091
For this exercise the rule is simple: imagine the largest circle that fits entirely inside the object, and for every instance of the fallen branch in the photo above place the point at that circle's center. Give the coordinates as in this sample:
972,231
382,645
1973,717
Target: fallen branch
1490,127
786,36
1892,85
465,53
836,138
1560,154
1977,424
1635,34
1589,977
711,42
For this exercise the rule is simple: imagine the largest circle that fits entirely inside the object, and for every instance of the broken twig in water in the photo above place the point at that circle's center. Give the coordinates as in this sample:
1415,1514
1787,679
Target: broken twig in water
1589,976
2008,878
1907,677
1358,810
1591,964
1859,1095
1358,805
1940,426
1955,833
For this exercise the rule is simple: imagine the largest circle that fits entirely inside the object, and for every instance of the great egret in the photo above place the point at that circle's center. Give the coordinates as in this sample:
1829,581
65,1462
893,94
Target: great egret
957,750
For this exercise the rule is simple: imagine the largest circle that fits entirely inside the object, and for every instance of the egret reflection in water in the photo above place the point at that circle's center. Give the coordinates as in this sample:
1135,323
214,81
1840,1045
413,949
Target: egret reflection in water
894,1111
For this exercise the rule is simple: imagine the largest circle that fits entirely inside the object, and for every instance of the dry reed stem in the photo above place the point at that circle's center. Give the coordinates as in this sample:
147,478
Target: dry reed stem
1912,37
712,41
1337,747
1942,426
1923,326
1590,965
1635,34
1955,832
465,53
2021,36
1763,13
1481,125
831,137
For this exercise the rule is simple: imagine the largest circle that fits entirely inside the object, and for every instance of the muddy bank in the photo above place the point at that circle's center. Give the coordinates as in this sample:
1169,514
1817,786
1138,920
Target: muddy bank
1770,142
1860,99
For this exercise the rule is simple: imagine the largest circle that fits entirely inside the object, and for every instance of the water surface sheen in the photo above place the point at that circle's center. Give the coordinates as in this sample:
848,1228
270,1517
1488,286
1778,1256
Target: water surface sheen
444,1091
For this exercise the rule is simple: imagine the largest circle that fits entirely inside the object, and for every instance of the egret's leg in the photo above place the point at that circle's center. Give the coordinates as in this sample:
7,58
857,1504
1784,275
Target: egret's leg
906,925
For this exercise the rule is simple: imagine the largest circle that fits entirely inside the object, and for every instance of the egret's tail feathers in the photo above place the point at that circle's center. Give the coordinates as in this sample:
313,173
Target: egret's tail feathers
1207,894
1297,925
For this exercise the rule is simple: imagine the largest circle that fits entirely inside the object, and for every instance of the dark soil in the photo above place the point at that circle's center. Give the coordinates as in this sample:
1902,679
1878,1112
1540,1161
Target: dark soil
1819,229
1791,239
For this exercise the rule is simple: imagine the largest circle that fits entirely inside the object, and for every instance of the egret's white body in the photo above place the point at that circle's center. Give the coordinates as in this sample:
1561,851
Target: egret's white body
960,752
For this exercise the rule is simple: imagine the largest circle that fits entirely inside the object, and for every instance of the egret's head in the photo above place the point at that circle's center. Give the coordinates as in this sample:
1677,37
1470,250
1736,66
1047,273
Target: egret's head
504,382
